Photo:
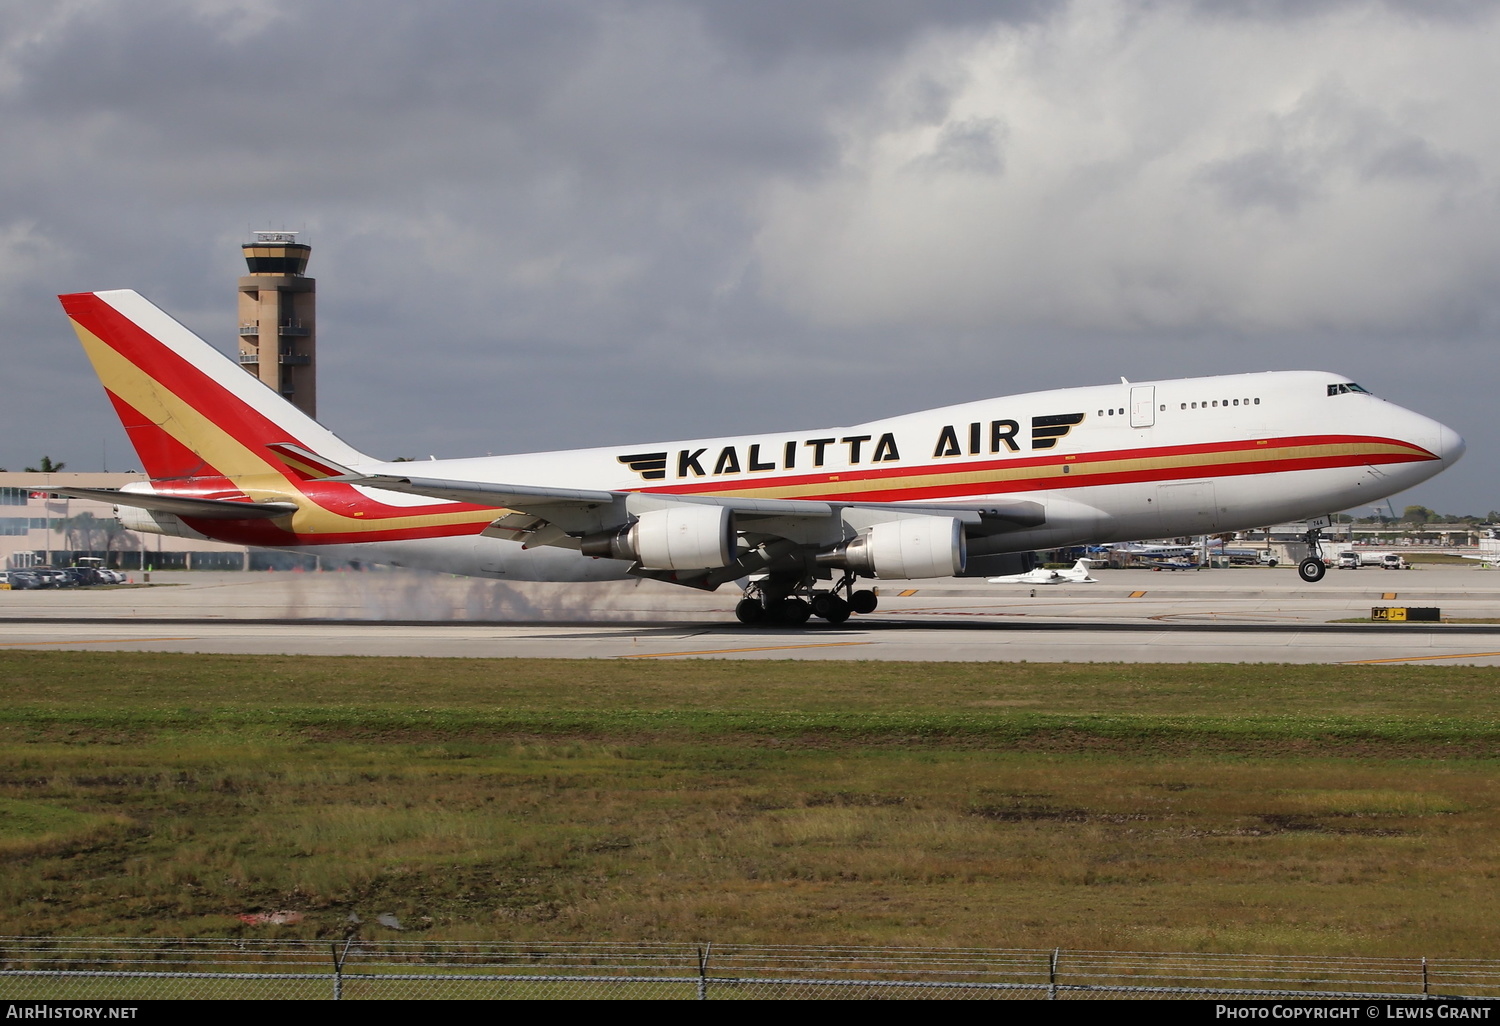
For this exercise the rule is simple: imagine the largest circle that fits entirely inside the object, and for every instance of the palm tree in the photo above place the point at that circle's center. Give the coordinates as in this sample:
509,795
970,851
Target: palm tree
113,532
46,467
78,528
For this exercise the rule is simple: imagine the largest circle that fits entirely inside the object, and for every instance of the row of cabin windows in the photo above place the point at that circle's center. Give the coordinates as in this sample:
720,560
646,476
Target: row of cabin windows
1221,402
1115,412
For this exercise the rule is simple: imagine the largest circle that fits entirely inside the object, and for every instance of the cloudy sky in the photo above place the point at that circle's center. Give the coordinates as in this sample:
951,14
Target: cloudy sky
551,224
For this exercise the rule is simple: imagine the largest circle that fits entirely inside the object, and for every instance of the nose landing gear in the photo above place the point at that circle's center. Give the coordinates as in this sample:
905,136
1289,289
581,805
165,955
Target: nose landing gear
1313,568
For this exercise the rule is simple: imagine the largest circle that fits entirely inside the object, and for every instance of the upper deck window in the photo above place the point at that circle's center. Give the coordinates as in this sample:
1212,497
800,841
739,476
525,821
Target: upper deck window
1346,386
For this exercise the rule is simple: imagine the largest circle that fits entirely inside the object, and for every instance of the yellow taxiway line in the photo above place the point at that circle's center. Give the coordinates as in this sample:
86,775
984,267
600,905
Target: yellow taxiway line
1413,659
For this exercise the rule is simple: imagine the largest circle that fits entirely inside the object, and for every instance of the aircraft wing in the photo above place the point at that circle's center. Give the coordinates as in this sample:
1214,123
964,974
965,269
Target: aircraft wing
203,509
558,516
528,497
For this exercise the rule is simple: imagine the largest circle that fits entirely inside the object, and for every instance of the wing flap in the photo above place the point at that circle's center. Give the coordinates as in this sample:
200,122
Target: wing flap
484,493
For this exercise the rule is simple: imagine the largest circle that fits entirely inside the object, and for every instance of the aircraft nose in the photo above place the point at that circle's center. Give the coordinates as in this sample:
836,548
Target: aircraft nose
1450,444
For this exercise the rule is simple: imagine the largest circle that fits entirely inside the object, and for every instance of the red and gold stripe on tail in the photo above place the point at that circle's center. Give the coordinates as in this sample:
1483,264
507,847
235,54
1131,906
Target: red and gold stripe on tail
307,465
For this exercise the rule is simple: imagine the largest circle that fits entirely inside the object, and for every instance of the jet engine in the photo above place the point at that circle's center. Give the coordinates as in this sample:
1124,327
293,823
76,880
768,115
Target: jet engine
134,518
677,538
904,549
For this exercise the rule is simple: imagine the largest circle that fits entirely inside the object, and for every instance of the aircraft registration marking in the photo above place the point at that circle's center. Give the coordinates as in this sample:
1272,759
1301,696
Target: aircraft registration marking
1414,659
733,651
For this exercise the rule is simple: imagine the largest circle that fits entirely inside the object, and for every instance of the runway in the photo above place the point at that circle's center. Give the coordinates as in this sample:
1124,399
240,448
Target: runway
1238,615
890,640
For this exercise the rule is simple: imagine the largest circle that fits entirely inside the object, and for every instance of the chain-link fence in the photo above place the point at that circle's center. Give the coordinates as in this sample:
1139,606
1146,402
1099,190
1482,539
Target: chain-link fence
74,969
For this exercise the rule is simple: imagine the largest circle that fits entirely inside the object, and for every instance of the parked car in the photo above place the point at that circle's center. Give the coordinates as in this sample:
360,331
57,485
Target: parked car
102,573
20,580
51,578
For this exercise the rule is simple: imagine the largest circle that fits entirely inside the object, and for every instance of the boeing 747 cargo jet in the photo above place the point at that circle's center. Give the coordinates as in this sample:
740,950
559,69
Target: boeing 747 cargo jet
796,518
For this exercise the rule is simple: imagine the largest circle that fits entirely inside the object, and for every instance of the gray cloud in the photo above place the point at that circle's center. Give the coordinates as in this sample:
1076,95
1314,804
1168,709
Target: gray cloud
972,146
1327,137
563,223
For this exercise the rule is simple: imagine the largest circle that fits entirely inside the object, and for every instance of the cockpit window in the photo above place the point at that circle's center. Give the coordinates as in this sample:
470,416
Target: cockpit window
1346,386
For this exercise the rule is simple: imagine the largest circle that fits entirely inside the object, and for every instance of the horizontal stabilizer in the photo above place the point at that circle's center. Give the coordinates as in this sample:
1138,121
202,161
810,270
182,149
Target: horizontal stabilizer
204,509
306,462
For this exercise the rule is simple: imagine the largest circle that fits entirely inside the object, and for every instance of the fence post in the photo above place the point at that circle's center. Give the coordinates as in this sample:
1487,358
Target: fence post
1424,977
338,967
703,954
1052,976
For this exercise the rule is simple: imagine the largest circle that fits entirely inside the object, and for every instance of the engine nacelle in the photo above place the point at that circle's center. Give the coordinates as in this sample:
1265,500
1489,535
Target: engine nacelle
677,538
134,518
904,549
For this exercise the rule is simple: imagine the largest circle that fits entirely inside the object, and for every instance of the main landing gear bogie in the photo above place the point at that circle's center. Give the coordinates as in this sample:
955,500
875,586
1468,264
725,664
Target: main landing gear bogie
760,609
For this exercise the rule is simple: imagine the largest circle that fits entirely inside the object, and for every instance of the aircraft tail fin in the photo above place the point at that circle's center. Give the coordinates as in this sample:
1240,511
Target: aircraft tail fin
189,410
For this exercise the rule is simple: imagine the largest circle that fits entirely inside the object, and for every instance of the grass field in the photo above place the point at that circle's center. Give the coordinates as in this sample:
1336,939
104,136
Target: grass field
1299,809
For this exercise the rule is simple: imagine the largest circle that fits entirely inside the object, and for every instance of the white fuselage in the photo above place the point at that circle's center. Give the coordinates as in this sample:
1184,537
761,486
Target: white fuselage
1107,463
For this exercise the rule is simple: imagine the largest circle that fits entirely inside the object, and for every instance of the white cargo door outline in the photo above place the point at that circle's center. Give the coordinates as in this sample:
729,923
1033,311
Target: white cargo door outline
1142,405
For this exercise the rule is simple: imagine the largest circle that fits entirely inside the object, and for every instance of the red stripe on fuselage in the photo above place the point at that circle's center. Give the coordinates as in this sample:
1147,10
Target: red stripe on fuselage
252,533
958,492
875,475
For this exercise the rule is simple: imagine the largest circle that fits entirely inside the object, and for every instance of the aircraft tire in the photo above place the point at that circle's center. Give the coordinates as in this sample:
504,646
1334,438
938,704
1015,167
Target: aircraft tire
820,604
750,612
792,612
1311,570
864,601
836,611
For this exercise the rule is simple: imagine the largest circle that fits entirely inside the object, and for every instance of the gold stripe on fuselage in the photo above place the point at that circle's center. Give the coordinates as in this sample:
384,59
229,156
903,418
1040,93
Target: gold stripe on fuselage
976,482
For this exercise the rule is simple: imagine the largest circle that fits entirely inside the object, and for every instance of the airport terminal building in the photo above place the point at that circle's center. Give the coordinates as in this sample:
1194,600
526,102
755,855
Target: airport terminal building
38,529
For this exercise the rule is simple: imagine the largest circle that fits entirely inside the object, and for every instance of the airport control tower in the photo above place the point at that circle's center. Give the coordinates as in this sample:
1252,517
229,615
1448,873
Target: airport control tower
278,336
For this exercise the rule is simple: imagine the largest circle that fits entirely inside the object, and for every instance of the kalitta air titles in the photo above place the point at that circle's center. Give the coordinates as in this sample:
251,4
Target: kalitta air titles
978,438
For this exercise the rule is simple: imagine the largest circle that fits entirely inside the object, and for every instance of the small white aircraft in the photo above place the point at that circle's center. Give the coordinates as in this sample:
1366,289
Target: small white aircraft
795,518
1078,575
